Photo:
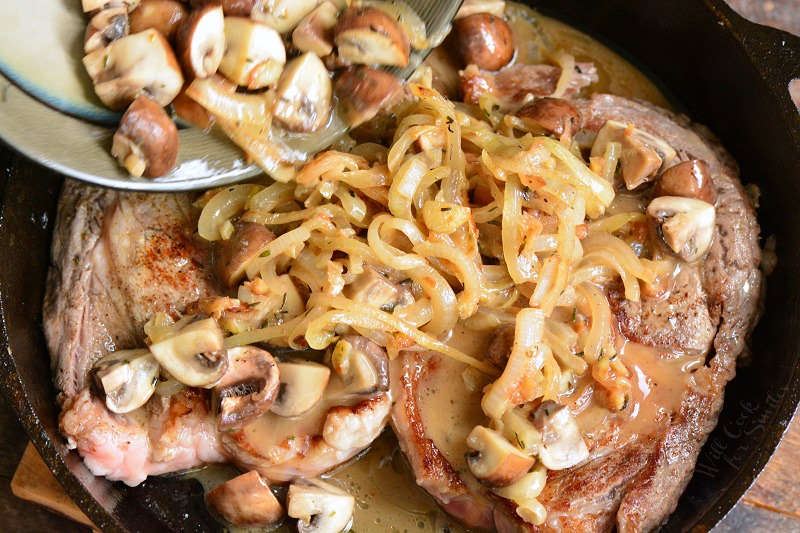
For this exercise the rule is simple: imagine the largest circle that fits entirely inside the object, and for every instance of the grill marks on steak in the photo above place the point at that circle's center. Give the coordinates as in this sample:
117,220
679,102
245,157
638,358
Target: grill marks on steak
635,483
116,259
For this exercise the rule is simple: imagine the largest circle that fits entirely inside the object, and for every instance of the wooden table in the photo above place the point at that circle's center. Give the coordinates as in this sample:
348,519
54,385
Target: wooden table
772,504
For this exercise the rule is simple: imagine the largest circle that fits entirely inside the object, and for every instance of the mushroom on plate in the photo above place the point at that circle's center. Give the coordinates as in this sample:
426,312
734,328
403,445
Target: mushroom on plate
304,94
165,16
232,255
493,460
686,225
315,31
319,507
247,389
369,36
146,142
106,26
690,179
195,354
283,15
363,91
484,40
554,115
126,379
302,384
642,154
140,62
231,8
254,53
562,444
246,501
361,364
200,41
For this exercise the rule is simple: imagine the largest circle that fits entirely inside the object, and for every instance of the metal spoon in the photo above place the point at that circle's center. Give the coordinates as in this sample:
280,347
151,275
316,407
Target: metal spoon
77,143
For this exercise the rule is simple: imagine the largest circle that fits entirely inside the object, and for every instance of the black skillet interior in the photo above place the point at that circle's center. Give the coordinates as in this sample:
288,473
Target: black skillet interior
730,75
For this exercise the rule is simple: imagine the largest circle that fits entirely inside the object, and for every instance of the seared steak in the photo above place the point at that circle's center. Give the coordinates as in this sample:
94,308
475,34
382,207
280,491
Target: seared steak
632,480
117,259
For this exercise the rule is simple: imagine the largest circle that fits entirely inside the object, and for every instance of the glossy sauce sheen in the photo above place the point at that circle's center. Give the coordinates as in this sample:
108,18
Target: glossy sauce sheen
387,498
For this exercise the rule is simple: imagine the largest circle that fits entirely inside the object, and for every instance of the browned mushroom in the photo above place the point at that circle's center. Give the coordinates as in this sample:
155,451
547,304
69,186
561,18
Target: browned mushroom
562,445
484,40
139,62
361,364
553,115
233,254
247,389
363,91
374,289
254,53
500,345
162,15
686,225
691,179
146,143
283,15
319,507
200,41
494,460
245,501
369,36
304,94
642,154
302,385
194,354
106,26
315,31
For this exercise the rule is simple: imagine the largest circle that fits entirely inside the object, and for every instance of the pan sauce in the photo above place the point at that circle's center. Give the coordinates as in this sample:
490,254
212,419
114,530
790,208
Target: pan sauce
387,498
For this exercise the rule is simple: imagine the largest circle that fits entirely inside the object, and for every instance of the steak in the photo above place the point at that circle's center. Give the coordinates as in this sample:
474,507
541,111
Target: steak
116,259
632,483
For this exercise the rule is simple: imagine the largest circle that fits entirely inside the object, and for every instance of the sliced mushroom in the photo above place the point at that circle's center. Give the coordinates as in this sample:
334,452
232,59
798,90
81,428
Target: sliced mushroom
500,344
247,389
301,386
146,142
126,378
304,94
376,290
200,41
245,501
254,53
283,15
369,36
494,460
315,31
470,7
165,16
233,254
361,364
195,354
562,444
363,91
691,179
319,507
642,154
140,62
553,115
685,224
106,26
484,40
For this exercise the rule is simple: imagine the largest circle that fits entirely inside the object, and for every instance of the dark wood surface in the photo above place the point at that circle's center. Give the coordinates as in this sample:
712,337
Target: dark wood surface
772,504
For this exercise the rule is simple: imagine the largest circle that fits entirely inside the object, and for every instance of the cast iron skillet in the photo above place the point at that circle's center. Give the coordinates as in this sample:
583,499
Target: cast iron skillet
728,73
